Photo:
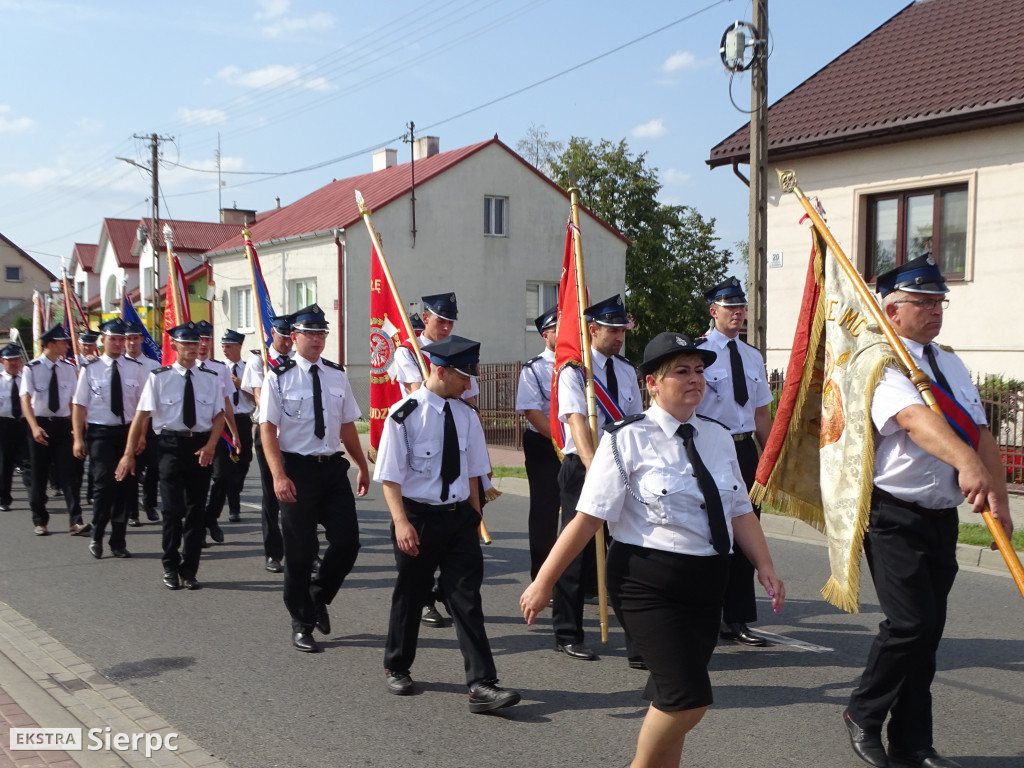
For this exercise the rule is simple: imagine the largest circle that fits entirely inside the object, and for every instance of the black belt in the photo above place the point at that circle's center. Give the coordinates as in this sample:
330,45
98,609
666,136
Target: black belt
879,494
315,458
419,506
53,418
739,438
184,433
96,428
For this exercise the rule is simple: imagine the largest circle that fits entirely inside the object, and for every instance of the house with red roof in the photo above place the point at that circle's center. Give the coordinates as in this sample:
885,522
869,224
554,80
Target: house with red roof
913,141
82,272
478,220
20,275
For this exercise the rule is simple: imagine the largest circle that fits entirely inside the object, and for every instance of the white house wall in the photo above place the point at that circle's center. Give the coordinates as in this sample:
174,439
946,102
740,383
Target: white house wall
991,161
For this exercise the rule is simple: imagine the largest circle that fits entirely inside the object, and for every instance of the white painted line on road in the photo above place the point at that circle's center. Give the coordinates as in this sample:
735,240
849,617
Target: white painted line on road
793,642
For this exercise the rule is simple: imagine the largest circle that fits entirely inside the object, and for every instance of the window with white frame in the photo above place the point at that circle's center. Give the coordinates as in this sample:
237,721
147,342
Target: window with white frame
540,296
496,216
301,292
241,309
904,224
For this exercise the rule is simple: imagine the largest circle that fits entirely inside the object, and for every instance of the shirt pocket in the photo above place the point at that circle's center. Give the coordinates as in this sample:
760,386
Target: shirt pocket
668,495
335,404
716,381
425,454
297,403
968,398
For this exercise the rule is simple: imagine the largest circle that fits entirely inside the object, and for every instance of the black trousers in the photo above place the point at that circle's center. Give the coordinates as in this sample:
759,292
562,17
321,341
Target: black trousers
183,487
567,611
110,497
13,434
56,455
740,604
273,544
542,466
147,464
323,495
228,475
449,541
912,557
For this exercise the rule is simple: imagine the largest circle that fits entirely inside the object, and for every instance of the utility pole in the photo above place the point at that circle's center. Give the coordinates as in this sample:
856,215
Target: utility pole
154,221
757,257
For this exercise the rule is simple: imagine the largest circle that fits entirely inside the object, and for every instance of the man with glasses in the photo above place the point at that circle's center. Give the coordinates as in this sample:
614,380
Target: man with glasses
923,471
307,413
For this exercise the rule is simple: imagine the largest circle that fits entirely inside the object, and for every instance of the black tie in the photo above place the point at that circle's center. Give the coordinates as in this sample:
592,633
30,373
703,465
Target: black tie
234,373
712,499
188,409
54,399
450,468
15,399
739,378
318,404
610,380
936,371
116,395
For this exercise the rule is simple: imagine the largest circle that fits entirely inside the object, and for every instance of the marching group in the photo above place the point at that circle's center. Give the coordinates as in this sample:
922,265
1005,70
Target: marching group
668,484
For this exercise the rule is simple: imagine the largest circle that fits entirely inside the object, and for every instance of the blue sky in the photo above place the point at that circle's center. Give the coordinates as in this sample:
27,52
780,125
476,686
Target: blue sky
289,84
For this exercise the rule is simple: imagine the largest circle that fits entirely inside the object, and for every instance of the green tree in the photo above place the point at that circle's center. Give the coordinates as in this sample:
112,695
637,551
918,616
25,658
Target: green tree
673,254
537,149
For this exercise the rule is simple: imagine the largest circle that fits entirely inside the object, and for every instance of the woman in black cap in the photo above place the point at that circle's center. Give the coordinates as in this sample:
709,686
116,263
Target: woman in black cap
668,485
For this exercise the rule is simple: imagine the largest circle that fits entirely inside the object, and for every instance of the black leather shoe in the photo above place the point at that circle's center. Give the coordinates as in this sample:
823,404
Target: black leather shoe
120,552
274,566
323,619
152,515
431,617
867,745
488,697
171,580
304,642
314,572
637,664
216,533
234,517
741,634
191,583
919,758
398,683
96,549
133,522
576,651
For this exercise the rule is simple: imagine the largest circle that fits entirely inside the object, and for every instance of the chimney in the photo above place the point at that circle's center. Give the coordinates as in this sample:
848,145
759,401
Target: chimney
426,146
384,158
239,216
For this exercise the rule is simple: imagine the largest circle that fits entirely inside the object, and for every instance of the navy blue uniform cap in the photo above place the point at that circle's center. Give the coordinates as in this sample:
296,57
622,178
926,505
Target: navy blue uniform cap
670,344
444,305
456,352
920,275
728,293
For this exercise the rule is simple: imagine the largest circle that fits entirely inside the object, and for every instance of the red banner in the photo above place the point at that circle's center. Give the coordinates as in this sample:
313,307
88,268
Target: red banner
175,287
387,333
569,338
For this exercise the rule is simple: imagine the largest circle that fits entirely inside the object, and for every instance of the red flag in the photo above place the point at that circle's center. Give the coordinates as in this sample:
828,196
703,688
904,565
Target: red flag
175,287
387,332
570,334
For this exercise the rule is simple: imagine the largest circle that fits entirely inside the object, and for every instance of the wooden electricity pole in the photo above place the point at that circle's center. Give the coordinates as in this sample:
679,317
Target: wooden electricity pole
757,257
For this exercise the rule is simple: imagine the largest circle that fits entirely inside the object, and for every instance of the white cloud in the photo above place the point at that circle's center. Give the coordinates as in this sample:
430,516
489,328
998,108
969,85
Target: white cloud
653,129
674,176
274,75
679,60
273,8
202,116
289,26
88,125
13,125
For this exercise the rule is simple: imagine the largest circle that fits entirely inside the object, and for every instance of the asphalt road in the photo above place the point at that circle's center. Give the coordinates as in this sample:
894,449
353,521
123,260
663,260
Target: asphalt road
219,666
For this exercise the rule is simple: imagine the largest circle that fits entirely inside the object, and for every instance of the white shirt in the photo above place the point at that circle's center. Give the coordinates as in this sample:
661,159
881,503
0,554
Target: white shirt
405,369
719,401
35,380
252,379
5,393
410,453
245,404
93,390
534,392
164,392
903,468
572,395
286,400
223,374
654,460
147,362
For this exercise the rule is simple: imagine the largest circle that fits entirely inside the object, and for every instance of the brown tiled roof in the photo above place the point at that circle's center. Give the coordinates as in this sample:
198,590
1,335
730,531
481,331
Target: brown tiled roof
121,234
195,236
85,255
334,206
937,66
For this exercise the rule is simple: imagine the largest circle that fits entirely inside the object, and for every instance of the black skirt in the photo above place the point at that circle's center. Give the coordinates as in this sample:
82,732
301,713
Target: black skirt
671,606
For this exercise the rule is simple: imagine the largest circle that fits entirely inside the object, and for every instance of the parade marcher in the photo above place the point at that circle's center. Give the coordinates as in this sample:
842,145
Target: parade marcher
307,413
922,473
279,351
230,469
186,405
102,410
738,397
667,483
13,434
147,460
431,453
533,400
87,347
208,362
47,384
618,393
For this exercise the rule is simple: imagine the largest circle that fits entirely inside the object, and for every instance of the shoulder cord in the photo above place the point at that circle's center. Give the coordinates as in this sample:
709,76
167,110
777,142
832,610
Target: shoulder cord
543,394
408,446
622,470
280,394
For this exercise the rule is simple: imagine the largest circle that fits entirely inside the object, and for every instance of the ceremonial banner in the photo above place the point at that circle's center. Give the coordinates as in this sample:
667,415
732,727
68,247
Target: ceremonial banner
176,295
569,337
819,461
387,333
130,315
39,326
264,310
75,320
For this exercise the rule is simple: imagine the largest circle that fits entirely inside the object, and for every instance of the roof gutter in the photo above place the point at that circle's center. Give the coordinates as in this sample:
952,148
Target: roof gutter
278,241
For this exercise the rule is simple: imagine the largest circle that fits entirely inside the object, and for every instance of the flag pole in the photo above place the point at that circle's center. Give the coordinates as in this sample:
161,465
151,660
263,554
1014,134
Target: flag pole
176,299
588,367
365,212
247,235
69,316
787,181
